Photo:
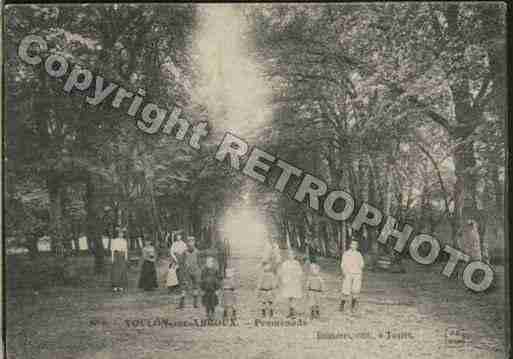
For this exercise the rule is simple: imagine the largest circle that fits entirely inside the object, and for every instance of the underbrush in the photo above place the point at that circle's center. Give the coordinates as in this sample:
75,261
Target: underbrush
24,273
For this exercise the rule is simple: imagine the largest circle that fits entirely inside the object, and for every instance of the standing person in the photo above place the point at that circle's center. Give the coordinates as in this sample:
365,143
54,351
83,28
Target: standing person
315,288
222,259
352,265
470,241
210,283
177,253
148,278
178,249
119,258
291,278
229,288
266,286
191,272
172,277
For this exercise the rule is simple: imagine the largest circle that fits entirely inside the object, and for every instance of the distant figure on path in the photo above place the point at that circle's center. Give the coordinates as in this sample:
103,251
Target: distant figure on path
119,258
210,283
471,243
266,286
229,297
291,278
148,278
352,267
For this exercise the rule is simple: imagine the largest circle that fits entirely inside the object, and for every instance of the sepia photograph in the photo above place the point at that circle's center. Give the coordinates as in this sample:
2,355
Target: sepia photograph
255,180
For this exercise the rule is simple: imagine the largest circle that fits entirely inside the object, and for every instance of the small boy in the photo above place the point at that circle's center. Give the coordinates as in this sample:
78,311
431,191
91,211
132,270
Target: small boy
315,287
267,283
229,294
210,283
352,266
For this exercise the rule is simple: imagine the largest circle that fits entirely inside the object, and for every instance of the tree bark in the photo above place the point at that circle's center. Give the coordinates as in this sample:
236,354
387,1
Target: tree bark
343,237
373,245
93,225
55,192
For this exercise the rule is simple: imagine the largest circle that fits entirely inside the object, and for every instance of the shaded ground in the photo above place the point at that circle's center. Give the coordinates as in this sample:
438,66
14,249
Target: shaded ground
418,307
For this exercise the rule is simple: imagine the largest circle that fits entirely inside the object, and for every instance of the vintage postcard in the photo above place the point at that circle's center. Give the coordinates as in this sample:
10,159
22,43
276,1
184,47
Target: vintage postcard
255,180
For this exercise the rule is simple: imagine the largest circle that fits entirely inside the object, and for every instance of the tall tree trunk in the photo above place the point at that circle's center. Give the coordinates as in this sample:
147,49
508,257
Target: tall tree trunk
343,236
464,204
388,194
93,225
373,244
499,203
55,191
186,219
467,118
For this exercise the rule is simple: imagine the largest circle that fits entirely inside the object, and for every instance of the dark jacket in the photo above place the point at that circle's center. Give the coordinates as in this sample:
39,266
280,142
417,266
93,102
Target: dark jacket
210,280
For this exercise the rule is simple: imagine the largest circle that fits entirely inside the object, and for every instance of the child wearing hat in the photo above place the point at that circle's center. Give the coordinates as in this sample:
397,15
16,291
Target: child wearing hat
352,267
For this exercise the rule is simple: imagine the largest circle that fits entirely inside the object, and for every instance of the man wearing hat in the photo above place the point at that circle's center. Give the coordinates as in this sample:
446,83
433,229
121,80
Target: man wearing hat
192,273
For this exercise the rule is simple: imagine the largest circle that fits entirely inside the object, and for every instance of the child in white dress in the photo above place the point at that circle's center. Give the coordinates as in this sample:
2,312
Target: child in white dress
291,282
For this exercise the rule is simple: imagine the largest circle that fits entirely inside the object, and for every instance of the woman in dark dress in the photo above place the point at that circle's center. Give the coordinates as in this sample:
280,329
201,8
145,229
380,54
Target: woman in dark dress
148,278
119,250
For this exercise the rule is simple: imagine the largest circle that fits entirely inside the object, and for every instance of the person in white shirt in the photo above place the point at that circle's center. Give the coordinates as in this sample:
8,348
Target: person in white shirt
178,249
119,258
352,265
178,252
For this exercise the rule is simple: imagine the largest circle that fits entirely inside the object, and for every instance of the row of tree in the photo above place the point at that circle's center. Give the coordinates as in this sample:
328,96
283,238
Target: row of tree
72,168
402,105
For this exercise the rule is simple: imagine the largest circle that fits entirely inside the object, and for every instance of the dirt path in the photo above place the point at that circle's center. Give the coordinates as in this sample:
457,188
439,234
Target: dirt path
96,324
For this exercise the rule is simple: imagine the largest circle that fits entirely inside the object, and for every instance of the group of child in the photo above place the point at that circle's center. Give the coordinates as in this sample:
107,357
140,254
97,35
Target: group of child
282,279
211,282
186,275
289,277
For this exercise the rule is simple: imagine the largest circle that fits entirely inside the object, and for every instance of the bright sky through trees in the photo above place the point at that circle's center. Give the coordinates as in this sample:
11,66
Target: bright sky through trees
232,88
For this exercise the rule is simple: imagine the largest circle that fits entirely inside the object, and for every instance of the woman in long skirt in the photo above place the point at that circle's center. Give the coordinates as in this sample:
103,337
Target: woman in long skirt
148,278
119,257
